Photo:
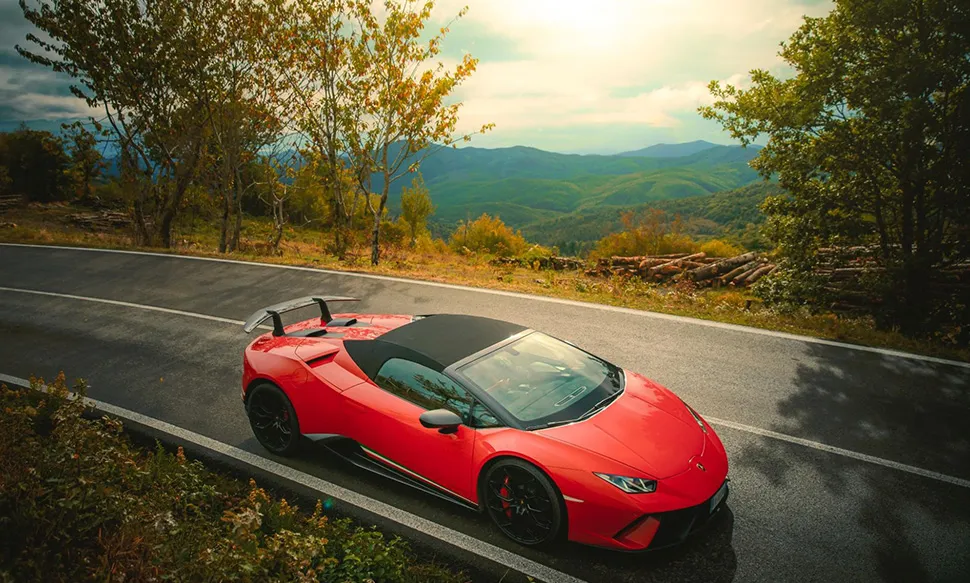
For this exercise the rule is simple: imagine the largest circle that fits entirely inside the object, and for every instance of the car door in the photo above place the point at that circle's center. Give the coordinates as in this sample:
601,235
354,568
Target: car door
394,435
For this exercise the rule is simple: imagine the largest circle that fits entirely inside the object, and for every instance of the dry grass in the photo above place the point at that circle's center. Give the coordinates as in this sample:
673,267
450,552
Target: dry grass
304,247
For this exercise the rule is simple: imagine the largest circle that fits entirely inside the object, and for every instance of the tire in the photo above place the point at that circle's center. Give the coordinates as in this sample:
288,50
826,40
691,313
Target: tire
273,419
523,503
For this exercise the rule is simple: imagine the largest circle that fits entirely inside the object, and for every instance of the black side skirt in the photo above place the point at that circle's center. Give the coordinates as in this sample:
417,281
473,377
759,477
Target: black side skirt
351,451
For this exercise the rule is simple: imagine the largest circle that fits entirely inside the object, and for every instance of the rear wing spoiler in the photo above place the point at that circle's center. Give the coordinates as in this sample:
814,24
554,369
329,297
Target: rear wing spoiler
274,311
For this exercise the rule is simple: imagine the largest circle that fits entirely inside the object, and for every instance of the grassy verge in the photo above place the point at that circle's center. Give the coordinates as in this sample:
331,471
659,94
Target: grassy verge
304,247
79,502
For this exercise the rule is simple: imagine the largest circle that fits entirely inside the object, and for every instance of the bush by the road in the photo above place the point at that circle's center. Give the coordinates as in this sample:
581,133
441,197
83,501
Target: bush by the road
79,502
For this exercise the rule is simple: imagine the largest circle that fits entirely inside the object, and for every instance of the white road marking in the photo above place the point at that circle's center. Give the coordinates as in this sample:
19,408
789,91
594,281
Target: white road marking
327,489
712,420
842,452
123,304
630,311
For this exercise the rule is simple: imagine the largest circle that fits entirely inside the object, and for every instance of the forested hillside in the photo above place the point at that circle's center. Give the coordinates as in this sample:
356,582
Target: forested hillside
732,214
526,185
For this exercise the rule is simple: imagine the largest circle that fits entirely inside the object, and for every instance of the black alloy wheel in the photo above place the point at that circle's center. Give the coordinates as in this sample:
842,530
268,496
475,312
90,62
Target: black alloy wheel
523,503
273,419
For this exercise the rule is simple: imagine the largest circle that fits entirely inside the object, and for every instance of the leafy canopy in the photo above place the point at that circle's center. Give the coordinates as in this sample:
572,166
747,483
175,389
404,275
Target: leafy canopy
870,139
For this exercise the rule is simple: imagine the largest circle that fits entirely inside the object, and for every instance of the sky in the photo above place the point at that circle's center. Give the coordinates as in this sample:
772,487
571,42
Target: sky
574,76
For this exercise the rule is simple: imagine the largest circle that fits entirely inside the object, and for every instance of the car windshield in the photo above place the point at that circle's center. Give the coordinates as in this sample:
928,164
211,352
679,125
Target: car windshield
542,381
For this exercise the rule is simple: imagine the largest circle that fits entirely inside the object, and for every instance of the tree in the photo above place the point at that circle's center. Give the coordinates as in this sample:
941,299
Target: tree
407,116
87,163
312,43
147,65
36,164
416,207
247,115
869,138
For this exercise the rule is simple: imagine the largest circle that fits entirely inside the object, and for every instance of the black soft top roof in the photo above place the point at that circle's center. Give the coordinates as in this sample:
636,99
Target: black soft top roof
436,341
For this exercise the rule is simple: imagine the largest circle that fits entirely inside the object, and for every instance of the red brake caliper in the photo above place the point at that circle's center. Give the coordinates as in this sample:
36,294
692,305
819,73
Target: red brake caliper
505,492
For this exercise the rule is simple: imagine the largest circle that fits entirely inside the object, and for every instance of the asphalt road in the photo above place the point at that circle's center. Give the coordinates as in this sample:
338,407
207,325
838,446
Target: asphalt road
796,513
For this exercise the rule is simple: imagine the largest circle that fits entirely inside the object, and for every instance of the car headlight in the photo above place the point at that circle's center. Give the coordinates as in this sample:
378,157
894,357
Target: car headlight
630,485
697,417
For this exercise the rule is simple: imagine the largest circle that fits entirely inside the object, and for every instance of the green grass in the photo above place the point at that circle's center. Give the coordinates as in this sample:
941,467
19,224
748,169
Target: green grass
304,247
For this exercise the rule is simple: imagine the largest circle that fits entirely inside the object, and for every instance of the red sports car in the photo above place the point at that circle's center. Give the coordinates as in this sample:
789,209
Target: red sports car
546,438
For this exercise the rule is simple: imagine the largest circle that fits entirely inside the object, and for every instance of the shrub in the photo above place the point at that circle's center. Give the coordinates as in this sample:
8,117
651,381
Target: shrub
718,248
652,235
788,289
86,505
489,235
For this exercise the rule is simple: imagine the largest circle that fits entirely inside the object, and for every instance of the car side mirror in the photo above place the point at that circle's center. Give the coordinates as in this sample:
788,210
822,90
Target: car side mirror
443,420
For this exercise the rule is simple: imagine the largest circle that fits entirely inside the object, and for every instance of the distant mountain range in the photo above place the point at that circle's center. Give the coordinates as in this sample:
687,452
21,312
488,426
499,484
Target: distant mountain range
671,150
532,189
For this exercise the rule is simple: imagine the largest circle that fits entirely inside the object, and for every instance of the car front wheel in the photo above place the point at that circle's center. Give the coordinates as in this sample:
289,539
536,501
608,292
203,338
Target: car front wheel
523,503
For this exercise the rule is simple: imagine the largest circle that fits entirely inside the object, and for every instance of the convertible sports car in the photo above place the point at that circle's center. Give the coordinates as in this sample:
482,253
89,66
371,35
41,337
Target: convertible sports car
548,440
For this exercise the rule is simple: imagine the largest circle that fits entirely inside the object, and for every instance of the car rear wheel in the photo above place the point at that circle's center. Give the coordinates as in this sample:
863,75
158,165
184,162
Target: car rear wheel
273,419
523,503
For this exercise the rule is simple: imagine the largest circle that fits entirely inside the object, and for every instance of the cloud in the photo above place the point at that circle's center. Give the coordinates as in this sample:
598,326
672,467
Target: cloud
587,63
566,75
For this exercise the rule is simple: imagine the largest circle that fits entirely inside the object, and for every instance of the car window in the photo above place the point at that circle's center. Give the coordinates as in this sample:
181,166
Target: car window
539,379
424,387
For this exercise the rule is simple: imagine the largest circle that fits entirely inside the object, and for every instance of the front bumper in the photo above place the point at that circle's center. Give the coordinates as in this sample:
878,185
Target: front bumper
665,529
607,517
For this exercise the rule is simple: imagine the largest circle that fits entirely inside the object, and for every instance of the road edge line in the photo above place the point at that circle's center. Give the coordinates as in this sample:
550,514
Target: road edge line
878,461
520,295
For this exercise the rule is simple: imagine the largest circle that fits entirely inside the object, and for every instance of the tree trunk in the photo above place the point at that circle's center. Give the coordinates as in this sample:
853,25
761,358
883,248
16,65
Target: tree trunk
224,227
237,227
141,227
375,251
165,227
278,220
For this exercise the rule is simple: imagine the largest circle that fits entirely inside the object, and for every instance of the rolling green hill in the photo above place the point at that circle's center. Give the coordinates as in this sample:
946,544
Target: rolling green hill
725,214
526,185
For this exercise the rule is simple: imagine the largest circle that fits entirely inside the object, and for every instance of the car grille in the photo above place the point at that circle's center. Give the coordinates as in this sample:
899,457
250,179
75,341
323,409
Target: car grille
677,525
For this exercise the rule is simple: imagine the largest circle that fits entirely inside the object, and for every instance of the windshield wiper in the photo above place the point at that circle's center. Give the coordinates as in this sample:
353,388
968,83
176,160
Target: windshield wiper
597,407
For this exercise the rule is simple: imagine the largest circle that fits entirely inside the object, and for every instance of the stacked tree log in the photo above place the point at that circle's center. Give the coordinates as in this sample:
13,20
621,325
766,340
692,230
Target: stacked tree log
100,221
704,271
9,201
848,275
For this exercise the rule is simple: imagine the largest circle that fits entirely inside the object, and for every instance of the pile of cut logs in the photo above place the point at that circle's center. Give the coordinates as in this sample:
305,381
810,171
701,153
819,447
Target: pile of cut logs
103,220
742,270
846,271
9,201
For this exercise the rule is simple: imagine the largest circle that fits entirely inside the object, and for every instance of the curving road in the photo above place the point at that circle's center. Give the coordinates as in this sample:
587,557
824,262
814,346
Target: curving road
847,464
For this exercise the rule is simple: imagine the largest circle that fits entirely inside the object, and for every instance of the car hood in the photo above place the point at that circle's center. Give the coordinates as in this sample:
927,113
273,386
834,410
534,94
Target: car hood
646,428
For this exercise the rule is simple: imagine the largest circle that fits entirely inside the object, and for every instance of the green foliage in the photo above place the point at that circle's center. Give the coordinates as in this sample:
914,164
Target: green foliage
488,234
35,165
651,235
718,248
85,505
788,290
87,164
732,215
416,207
869,139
